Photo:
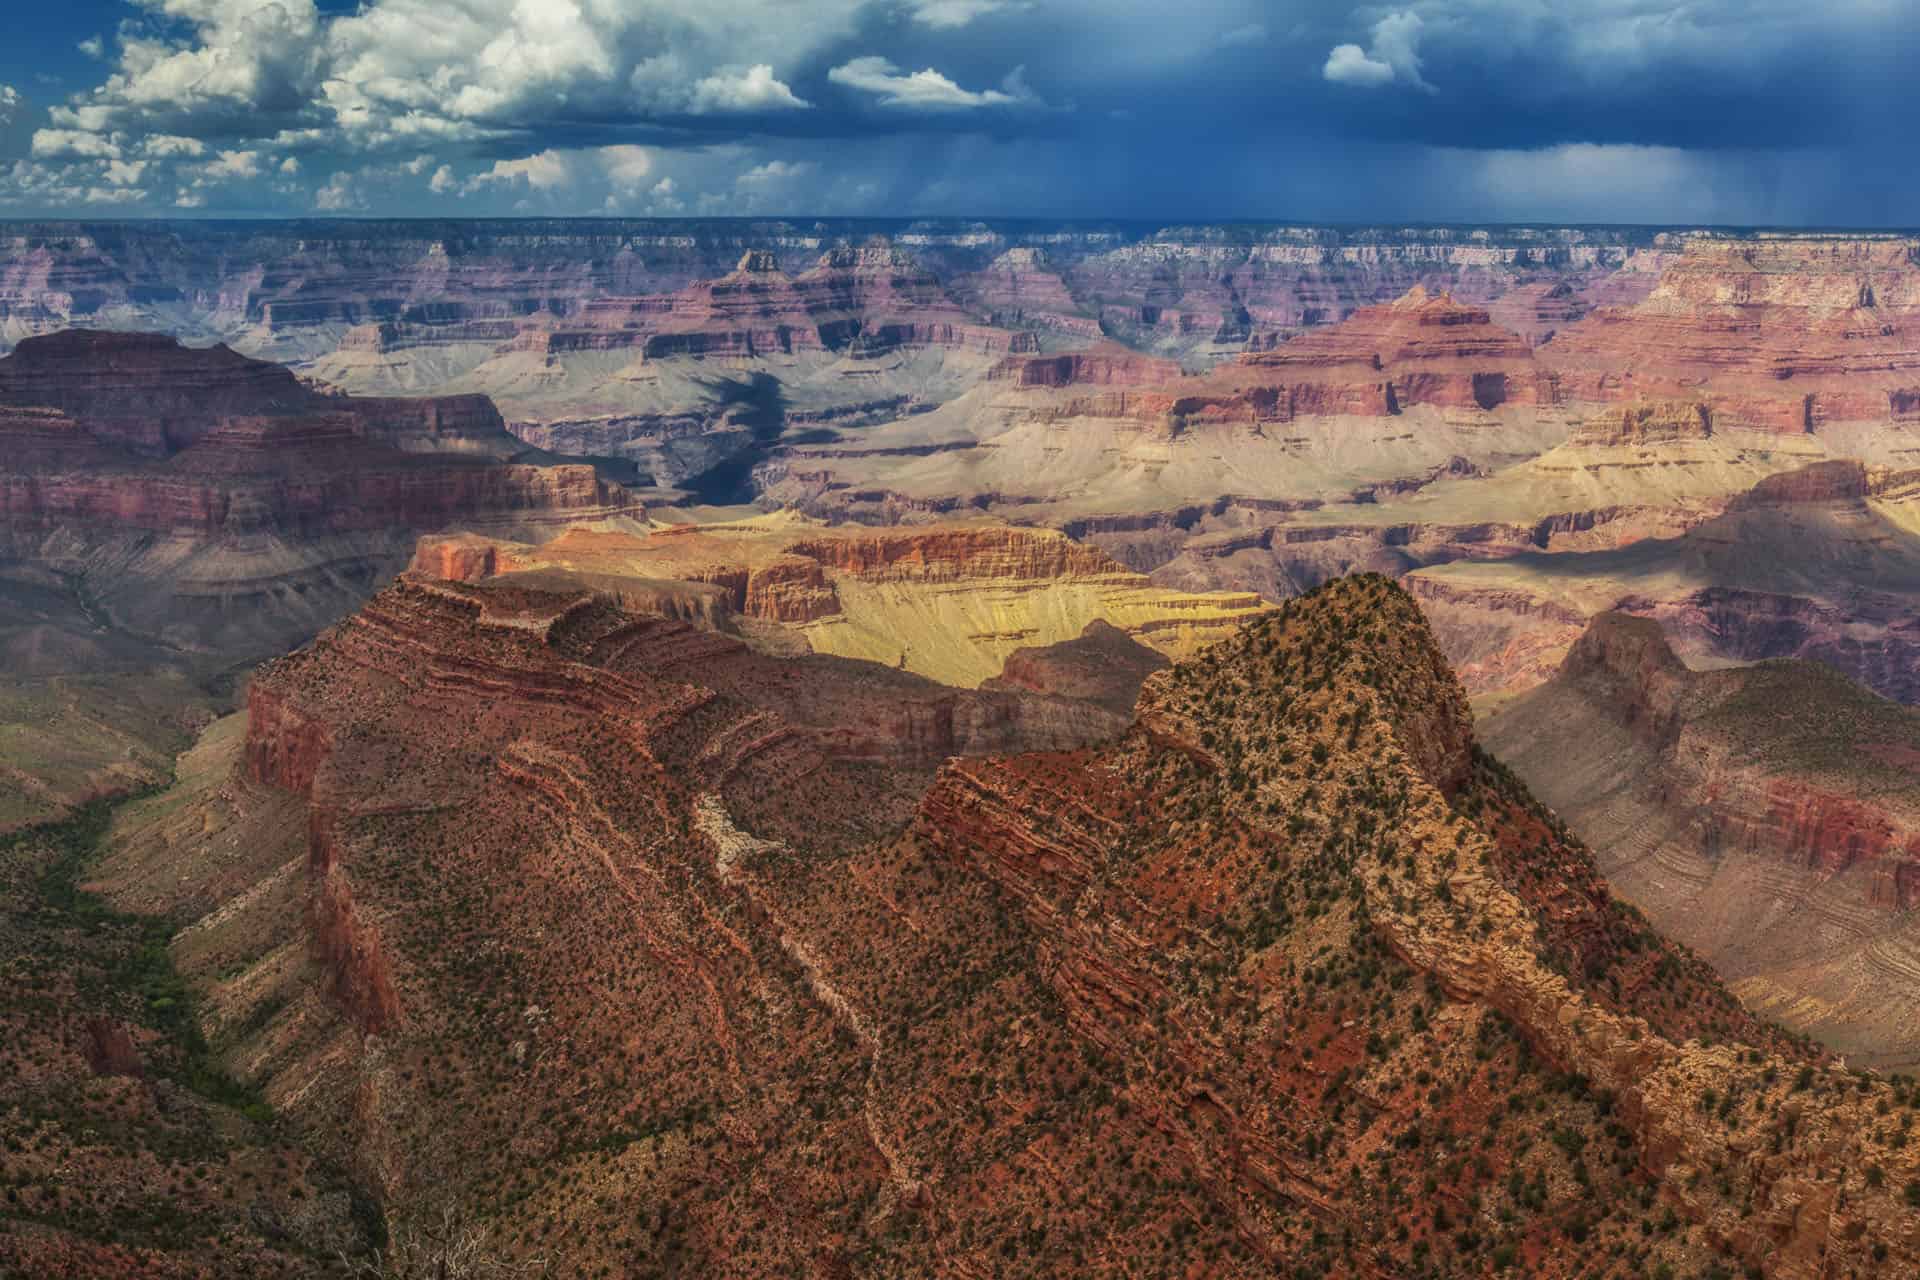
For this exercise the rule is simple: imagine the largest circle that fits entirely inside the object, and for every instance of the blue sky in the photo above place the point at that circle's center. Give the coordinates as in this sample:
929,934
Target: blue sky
1708,111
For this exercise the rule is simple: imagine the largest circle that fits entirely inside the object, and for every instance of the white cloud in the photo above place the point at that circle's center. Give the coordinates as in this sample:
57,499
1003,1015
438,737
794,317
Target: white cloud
1349,64
93,47
626,165
163,146
53,143
114,195
290,167
124,173
442,181
233,165
942,14
9,102
756,89
398,72
925,90
542,172
1394,54
187,198
663,198
338,195
775,171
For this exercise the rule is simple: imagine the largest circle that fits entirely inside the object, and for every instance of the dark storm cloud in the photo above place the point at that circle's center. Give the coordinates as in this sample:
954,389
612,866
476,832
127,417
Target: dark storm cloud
1513,109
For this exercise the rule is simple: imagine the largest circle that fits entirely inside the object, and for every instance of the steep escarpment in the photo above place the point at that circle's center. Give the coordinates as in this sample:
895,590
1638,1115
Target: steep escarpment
949,601
582,737
123,1150
293,290
1431,348
217,503
1765,815
1438,890
1819,562
1785,335
1377,403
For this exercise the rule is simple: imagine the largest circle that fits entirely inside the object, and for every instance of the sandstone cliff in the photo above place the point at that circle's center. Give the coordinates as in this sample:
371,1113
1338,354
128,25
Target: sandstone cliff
1819,562
1764,815
949,601
218,504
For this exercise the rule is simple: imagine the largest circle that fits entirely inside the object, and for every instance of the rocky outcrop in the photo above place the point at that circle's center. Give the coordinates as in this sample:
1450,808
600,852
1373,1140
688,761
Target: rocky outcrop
216,501
866,300
1785,335
295,292
1101,366
1820,562
1430,348
1102,665
145,392
1203,978
1645,424
1762,815
1020,289
949,601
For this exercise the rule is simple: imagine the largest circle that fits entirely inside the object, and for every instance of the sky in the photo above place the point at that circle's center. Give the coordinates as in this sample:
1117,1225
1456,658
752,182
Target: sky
1730,112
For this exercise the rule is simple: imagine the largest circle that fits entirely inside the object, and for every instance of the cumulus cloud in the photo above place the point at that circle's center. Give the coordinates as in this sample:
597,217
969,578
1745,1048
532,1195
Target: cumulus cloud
1393,55
927,89
947,14
232,165
774,171
755,89
55,143
114,195
626,165
339,195
542,172
394,71
1349,64
162,146
419,99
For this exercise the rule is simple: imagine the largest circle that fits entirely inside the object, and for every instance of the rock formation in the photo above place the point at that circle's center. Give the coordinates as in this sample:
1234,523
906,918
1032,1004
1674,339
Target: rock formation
1784,335
1766,815
647,938
1382,400
217,502
950,601
123,1150
1821,562
1103,665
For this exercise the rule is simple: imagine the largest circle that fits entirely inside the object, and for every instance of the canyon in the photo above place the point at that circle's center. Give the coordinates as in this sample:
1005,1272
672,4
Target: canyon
961,748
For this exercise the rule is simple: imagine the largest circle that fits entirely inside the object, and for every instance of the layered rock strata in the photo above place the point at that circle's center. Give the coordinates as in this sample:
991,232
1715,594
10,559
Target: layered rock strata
1212,998
1766,816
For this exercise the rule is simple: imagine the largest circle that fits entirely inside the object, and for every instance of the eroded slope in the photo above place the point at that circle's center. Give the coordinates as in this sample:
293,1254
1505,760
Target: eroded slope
640,963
